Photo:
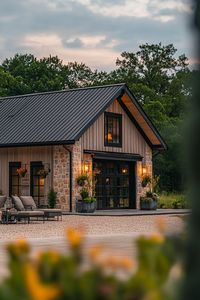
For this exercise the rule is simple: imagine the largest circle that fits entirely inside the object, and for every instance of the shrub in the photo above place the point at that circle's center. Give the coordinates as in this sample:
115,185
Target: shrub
172,201
84,193
52,195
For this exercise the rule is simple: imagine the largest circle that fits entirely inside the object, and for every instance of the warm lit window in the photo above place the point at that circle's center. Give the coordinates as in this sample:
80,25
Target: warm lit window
113,129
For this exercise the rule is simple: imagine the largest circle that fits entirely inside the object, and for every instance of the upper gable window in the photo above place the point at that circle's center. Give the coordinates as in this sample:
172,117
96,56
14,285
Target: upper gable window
113,129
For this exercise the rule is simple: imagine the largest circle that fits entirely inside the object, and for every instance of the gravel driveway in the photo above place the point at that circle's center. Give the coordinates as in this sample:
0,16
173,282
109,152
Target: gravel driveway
94,225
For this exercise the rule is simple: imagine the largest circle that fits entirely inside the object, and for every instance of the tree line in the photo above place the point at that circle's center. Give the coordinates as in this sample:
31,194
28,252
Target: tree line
158,78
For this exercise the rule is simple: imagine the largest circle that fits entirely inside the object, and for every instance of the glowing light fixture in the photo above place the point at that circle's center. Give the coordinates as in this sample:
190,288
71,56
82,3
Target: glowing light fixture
110,138
85,166
144,170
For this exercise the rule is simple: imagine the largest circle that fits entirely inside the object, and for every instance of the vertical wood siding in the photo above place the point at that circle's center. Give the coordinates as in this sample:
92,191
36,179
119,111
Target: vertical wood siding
132,140
24,155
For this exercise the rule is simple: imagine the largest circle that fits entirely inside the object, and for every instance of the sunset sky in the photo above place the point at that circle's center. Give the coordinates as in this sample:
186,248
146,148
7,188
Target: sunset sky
93,31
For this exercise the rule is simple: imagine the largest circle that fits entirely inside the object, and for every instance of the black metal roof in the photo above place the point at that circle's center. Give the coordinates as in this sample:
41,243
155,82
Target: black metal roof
53,117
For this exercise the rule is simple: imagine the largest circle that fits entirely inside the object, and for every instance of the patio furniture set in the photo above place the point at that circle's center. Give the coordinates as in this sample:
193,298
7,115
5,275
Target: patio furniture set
24,208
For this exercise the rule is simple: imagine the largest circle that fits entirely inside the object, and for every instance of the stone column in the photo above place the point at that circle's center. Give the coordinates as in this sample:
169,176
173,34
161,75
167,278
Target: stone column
61,176
147,161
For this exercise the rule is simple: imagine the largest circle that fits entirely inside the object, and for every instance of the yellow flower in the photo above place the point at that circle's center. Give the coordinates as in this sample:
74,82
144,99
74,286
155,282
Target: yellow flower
19,247
157,238
52,255
36,289
95,251
126,263
75,237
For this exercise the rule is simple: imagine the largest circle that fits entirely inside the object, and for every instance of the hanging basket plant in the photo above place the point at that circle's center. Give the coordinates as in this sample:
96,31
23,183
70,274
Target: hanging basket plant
21,171
43,173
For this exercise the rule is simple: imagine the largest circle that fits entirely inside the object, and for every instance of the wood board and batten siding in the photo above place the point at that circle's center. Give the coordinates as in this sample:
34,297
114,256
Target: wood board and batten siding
25,155
132,140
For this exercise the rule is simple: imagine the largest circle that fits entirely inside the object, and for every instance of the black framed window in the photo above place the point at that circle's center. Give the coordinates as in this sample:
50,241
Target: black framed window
14,179
113,129
37,182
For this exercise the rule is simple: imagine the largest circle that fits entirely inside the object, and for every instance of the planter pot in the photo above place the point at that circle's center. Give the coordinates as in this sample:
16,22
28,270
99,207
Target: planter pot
85,207
148,203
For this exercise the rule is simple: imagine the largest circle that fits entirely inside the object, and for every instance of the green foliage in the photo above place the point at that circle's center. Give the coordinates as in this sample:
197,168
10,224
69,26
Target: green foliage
155,74
82,179
171,200
146,179
84,193
55,276
90,199
52,195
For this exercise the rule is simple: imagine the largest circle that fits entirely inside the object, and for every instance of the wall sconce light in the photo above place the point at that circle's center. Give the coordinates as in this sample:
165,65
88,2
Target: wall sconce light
144,170
85,166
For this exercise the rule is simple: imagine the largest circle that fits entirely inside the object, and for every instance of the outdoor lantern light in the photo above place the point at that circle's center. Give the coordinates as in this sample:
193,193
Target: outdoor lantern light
144,170
86,167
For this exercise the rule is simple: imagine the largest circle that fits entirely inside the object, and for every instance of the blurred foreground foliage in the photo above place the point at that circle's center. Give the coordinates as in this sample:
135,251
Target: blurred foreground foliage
95,275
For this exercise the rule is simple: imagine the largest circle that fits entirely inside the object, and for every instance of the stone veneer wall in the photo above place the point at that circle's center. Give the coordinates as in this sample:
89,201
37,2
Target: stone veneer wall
61,180
61,173
147,161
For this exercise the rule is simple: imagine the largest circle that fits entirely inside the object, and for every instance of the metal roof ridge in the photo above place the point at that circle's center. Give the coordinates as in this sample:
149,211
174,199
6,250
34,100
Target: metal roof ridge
63,91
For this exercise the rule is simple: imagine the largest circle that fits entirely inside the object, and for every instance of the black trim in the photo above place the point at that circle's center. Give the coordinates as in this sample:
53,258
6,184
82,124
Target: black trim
12,165
69,142
129,114
119,117
32,165
114,155
118,94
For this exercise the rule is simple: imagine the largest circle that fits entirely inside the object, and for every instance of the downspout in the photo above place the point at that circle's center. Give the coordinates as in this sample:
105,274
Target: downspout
70,177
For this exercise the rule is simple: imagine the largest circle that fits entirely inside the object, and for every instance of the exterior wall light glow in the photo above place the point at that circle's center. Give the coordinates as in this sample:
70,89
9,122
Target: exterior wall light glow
144,170
85,167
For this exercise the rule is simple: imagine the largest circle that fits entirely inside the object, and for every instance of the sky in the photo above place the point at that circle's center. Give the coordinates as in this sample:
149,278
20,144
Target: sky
94,32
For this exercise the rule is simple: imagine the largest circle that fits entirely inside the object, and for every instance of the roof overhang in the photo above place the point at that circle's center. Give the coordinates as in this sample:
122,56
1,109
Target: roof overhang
46,143
143,123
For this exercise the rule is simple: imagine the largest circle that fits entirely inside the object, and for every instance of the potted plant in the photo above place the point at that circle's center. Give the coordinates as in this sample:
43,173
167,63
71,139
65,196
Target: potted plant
21,171
87,202
149,201
52,195
43,172
146,179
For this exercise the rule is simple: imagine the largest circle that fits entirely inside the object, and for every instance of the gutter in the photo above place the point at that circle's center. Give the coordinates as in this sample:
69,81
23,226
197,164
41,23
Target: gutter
70,177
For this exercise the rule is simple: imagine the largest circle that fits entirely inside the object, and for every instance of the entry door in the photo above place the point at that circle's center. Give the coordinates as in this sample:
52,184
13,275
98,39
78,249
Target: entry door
114,184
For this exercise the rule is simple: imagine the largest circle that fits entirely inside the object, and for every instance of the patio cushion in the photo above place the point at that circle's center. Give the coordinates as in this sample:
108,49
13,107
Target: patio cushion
28,201
2,200
18,203
31,213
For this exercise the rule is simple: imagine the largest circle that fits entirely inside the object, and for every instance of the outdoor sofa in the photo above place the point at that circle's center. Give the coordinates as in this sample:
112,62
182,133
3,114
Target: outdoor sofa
23,213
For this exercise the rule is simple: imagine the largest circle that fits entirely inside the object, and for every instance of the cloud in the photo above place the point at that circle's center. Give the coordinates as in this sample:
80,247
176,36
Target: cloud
91,31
